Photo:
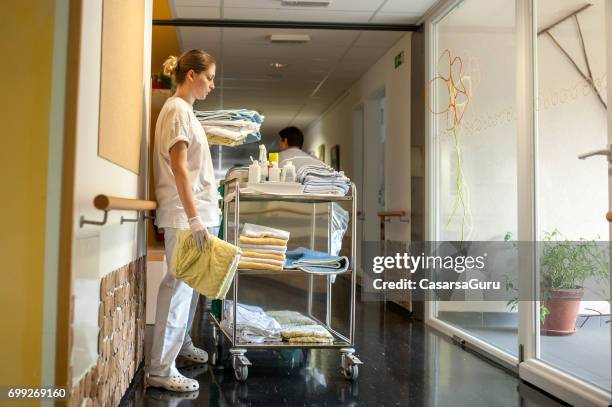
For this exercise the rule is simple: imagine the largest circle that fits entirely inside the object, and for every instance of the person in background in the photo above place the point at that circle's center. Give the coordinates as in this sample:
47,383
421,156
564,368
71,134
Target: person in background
291,142
186,193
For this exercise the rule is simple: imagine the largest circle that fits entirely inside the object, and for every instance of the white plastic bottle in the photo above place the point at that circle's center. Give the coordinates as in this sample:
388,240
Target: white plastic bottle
263,161
288,172
274,172
254,173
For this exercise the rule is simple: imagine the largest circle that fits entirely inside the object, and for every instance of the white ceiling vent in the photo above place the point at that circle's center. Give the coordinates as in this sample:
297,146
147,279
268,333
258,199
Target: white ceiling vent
289,38
305,3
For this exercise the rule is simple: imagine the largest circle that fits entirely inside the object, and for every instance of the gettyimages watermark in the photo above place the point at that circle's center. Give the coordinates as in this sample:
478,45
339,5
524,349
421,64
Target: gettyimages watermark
484,271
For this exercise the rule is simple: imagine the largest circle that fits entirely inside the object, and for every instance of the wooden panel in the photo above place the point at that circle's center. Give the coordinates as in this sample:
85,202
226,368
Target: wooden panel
121,83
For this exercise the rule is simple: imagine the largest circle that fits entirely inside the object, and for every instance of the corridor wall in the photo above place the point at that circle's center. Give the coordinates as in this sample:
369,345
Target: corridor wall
335,126
107,261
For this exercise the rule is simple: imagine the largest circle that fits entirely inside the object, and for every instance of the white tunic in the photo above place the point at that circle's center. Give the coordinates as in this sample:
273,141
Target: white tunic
298,158
177,122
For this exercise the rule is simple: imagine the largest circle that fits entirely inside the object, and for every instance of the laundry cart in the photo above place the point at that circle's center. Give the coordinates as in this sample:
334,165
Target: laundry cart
328,300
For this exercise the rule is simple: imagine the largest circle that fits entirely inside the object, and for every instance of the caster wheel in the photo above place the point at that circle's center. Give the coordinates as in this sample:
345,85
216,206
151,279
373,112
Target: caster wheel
350,372
215,336
241,373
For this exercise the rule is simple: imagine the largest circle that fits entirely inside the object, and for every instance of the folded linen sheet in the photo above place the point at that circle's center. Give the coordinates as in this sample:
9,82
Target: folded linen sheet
214,140
315,262
310,339
264,248
262,261
258,255
252,323
306,331
230,132
288,318
247,265
252,230
263,241
325,190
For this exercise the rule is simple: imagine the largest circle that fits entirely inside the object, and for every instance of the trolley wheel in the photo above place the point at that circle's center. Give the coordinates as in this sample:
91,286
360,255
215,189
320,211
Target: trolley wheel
215,335
351,372
241,373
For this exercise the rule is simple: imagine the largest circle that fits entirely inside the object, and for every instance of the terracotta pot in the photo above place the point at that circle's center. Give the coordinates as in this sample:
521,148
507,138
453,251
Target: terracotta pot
563,306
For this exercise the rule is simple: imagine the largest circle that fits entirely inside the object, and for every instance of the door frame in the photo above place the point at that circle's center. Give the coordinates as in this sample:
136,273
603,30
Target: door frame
548,378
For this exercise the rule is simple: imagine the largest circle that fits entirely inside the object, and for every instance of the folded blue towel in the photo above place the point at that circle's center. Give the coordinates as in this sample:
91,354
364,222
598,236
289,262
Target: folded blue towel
315,262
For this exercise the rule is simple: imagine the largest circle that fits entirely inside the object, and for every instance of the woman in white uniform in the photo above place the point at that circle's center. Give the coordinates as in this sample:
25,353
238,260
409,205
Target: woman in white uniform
186,193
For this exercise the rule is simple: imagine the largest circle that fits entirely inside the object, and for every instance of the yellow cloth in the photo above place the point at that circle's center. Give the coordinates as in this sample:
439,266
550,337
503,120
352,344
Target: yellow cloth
223,141
306,331
259,266
273,241
258,255
209,272
310,339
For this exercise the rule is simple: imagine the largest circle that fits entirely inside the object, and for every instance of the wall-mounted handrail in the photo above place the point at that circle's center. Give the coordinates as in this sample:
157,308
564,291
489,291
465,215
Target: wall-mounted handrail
107,203
385,216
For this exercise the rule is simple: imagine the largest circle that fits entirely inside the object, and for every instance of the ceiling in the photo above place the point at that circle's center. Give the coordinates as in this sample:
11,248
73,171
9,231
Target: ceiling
317,72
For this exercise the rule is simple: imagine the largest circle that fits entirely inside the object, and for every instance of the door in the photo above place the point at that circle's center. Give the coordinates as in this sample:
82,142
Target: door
566,196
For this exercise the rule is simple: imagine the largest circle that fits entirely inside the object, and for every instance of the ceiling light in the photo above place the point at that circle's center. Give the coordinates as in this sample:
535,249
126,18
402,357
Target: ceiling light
277,65
289,38
305,3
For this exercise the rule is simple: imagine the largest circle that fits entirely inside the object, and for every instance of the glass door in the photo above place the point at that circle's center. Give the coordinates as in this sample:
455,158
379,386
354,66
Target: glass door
565,318
472,156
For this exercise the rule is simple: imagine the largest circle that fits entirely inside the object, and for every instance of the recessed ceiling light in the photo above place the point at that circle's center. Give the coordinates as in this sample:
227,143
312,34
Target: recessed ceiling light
289,38
305,3
277,65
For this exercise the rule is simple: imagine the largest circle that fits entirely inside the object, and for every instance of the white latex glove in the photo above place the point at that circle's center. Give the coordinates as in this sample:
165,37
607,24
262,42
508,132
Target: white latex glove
199,233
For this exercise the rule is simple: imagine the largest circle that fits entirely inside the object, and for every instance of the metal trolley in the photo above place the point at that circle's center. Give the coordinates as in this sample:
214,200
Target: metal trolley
349,363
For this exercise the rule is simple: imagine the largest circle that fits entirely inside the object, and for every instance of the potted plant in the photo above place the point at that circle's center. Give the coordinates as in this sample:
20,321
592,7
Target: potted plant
564,267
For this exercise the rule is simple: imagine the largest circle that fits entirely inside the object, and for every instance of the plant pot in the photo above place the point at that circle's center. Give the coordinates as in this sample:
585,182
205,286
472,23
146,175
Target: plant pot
563,306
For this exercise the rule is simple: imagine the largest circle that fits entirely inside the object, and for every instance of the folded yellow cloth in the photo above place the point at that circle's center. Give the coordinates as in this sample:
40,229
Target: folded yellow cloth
271,256
306,331
274,241
259,266
209,272
310,339
223,141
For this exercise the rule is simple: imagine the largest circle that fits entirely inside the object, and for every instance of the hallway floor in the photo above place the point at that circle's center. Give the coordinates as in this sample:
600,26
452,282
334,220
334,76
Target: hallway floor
405,363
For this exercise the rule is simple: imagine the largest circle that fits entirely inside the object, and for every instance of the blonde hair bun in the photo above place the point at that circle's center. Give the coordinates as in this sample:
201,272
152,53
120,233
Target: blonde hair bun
170,66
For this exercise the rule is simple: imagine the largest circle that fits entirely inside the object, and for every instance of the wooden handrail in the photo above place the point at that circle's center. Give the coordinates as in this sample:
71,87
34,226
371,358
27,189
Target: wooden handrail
107,203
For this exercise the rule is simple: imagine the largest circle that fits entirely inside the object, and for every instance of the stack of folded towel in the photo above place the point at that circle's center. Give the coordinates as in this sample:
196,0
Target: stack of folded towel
312,261
230,127
252,323
263,248
296,327
322,179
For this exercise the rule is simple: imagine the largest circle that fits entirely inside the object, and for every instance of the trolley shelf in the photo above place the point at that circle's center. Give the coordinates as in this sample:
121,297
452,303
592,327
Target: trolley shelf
338,342
304,198
251,272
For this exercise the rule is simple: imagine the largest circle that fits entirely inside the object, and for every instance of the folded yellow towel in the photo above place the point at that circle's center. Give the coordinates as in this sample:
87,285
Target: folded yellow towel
209,272
310,339
259,266
272,241
271,256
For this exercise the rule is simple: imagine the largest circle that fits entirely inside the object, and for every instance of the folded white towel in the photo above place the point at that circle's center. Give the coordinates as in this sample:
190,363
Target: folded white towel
264,261
253,230
264,248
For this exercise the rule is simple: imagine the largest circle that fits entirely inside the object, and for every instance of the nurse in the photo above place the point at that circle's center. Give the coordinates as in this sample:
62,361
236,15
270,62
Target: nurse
186,193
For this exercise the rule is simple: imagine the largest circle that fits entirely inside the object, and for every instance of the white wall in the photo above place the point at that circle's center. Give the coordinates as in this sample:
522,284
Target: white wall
335,127
98,250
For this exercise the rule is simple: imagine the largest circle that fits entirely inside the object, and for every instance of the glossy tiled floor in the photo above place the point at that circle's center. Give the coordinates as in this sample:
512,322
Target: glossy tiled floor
405,364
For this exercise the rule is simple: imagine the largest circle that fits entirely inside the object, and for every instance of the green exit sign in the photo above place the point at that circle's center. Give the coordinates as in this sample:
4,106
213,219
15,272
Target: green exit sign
399,59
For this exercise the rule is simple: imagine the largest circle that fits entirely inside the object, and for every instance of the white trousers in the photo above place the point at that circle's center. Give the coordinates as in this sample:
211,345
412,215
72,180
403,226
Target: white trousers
176,306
